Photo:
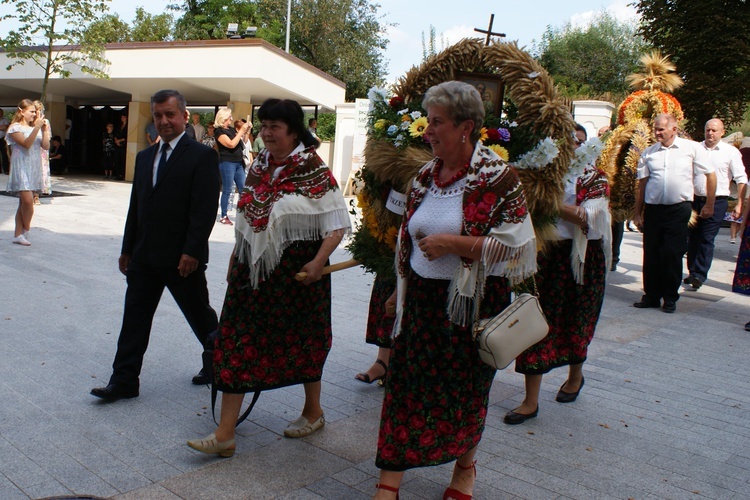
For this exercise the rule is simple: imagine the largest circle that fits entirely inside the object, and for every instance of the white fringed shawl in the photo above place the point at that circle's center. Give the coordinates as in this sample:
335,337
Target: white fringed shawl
303,203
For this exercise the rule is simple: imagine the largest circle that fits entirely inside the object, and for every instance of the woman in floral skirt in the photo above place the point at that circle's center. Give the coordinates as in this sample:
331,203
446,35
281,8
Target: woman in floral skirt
571,281
379,329
741,283
276,331
465,207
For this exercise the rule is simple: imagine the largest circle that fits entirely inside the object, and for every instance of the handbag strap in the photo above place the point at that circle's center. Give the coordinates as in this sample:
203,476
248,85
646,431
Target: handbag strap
214,394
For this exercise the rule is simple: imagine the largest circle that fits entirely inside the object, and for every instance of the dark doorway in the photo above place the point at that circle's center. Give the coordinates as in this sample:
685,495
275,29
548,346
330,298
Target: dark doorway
89,123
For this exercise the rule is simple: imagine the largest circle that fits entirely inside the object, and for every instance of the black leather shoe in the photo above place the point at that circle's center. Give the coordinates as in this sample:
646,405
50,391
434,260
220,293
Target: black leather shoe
568,397
645,303
113,392
201,379
688,279
669,307
695,283
747,326
513,418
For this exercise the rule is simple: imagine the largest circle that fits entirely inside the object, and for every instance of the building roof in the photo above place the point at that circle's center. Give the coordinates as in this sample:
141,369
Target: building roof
207,72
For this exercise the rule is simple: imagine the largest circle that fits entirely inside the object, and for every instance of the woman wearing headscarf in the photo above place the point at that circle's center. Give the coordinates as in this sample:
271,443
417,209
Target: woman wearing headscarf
27,136
465,237
276,331
571,279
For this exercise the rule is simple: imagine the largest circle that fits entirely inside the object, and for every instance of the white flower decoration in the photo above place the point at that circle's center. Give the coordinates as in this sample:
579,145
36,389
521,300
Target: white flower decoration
533,74
415,115
542,155
377,94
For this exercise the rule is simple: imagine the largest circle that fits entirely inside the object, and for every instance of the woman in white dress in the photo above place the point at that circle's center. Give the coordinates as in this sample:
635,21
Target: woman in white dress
28,134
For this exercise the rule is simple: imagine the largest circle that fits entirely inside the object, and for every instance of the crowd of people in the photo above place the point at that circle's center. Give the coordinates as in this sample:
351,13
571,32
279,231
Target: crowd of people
291,215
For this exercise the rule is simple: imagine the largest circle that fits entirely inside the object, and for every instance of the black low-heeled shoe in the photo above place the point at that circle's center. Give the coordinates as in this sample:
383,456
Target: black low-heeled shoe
513,418
568,397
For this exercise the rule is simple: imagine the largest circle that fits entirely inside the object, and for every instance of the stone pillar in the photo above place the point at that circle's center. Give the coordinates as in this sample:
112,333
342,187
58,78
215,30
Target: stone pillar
240,110
139,115
55,113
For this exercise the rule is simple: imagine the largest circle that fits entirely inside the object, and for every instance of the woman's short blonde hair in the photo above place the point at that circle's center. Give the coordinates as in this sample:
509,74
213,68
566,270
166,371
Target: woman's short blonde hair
221,117
462,101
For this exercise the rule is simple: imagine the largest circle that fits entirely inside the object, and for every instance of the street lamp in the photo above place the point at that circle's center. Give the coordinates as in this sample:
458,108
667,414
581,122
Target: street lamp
288,22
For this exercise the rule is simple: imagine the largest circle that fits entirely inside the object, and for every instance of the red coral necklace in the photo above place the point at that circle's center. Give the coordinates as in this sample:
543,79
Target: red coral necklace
458,175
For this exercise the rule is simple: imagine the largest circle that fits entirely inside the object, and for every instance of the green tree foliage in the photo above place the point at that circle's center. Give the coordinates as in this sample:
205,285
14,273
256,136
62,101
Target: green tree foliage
109,29
146,28
592,60
344,38
326,125
45,25
208,19
709,43
151,28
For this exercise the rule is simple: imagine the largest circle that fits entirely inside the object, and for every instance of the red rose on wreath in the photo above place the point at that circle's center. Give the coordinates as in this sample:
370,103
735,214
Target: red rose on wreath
396,102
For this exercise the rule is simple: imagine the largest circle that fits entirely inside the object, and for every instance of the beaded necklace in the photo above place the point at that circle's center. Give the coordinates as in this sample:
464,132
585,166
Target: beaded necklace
457,176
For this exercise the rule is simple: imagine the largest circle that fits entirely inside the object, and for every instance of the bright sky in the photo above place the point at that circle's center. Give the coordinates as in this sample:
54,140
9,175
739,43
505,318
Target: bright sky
453,20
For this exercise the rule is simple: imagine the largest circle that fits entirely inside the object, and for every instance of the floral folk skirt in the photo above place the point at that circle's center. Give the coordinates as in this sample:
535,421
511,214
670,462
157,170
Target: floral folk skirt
572,310
379,325
437,389
278,334
741,283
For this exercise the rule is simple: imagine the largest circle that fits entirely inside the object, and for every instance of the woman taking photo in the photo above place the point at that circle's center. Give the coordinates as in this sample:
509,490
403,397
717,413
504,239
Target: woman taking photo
229,142
276,331
465,235
571,282
28,134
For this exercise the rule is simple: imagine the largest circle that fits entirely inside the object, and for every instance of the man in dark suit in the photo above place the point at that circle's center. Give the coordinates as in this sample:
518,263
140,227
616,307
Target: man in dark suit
172,211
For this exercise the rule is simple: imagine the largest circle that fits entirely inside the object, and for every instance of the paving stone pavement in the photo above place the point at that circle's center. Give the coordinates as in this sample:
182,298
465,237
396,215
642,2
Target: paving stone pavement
664,413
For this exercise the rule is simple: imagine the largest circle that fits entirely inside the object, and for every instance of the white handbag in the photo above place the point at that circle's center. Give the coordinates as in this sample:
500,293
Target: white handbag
502,338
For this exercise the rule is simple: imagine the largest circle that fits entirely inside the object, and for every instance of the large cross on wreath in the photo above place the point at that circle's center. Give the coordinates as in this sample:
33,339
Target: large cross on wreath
489,31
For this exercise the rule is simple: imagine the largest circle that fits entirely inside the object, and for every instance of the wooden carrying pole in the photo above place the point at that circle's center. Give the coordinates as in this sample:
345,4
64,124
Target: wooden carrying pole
329,269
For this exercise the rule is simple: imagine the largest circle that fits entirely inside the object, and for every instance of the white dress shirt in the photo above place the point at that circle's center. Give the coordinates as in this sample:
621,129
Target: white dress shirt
670,171
727,162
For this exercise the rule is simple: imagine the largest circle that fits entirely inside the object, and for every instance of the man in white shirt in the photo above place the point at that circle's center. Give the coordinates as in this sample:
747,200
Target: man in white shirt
200,130
662,209
727,162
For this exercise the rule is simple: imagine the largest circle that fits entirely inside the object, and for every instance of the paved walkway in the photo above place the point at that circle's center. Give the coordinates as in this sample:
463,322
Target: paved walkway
664,413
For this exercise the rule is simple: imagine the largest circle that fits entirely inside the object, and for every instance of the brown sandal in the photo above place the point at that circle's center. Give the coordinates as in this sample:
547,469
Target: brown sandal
364,377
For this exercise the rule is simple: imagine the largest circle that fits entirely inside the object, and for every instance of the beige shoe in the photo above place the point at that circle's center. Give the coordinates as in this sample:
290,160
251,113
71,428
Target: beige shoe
209,444
303,427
